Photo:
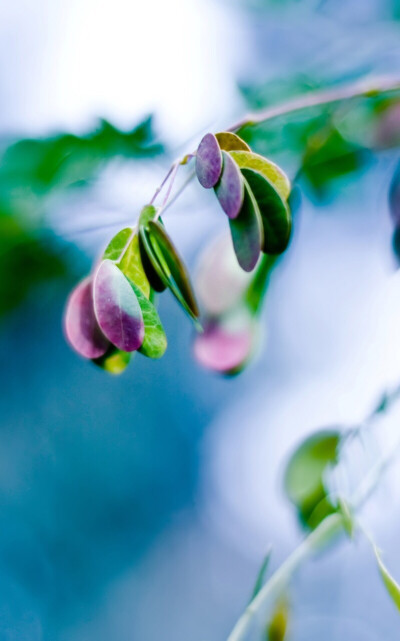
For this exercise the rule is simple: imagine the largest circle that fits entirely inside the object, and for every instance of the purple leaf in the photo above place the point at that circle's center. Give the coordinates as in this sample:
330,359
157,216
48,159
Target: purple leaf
117,308
223,347
80,324
208,161
230,189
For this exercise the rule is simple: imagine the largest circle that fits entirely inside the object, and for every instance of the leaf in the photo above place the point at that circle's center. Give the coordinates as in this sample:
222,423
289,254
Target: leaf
227,343
131,265
304,476
155,277
247,232
114,361
117,308
394,196
346,512
275,214
173,271
277,627
220,281
208,161
117,244
392,587
270,171
81,327
155,341
229,141
230,188
261,574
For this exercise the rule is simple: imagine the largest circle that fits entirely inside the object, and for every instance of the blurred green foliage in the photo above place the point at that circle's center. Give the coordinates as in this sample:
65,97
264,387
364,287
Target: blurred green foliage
32,171
321,144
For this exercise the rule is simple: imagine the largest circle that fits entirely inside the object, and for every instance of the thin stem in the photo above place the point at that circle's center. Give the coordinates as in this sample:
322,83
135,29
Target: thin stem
323,533
362,88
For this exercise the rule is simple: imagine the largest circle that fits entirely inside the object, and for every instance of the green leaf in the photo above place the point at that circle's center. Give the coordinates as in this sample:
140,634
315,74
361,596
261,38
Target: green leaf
304,476
261,574
229,141
154,273
117,244
346,512
270,171
173,272
275,214
114,361
131,265
155,340
391,585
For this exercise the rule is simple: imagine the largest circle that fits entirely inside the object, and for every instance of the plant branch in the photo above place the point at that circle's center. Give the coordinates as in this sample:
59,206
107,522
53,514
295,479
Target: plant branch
325,532
366,88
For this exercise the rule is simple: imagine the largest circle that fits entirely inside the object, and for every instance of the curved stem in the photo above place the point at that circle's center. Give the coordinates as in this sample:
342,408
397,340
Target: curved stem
324,533
362,88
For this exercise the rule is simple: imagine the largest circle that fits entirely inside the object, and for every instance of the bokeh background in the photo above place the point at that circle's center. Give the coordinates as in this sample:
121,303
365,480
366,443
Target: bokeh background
140,507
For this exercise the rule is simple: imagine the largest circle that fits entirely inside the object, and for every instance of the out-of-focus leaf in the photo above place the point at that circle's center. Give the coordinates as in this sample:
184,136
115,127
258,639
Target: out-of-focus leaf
346,512
117,244
229,141
26,260
304,476
247,232
208,161
394,196
270,171
391,585
81,328
277,627
173,271
117,309
230,188
330,156
114,361
275,214
155,341
261,574
227,343
220,281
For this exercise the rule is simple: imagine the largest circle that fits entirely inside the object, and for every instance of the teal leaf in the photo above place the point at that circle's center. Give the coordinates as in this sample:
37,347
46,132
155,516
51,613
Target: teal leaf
173,272
275,214
261,574
247,232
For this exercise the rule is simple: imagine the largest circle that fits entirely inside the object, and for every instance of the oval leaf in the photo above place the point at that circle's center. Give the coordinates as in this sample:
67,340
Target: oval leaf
153,273
117,244
155,341
270,171
208,161
304,476
173,271
226,345
247,232
230,189
117,308
81,327
114,361
275,214
220,281
131,265
229,141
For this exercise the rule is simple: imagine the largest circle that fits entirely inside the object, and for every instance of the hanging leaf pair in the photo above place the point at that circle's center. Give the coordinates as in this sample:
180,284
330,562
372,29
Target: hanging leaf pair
252,191
111,313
